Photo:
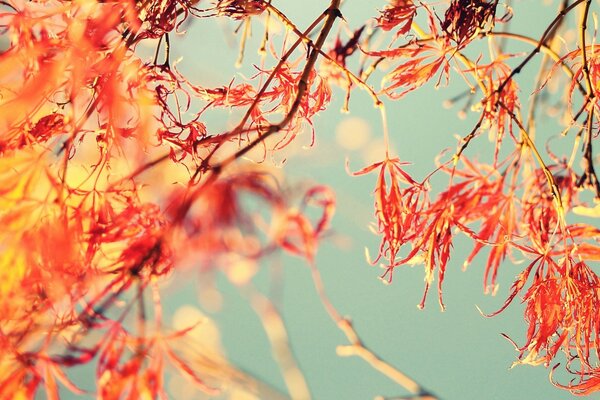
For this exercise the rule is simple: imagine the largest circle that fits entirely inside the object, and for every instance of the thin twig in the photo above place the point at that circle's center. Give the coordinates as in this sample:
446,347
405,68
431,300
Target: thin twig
357,347
549,177
585,67
589,176
277,333
540,44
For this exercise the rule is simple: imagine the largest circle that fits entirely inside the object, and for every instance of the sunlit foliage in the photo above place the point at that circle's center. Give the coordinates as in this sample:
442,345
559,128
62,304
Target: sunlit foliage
91,228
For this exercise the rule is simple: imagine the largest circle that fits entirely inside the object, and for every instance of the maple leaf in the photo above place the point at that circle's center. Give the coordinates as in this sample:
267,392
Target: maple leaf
497,106
422,61
397,209
484,201
398,14
293,229
464,19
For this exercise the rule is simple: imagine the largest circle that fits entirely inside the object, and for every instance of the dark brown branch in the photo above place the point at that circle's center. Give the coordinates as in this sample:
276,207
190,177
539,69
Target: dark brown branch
589,177
332,14
541,43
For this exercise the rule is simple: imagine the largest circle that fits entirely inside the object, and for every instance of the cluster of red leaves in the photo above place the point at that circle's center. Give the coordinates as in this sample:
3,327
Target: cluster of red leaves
483,204
407,216
183,135
501,99
335,69
240,9
88,250
249,231
83,247
561,303
421,60
398,14
263,107
155,18
398,210
115,245
573,58
280,98
50,87
466,18
71,77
